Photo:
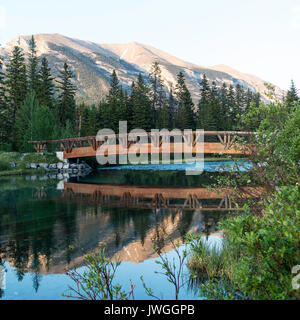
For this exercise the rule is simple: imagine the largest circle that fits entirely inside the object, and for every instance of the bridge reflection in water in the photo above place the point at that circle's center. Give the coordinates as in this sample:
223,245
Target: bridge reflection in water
187,198
56,228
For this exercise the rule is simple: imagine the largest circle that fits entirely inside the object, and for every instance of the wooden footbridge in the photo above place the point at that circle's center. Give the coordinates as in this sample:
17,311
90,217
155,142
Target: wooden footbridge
215,142
182,198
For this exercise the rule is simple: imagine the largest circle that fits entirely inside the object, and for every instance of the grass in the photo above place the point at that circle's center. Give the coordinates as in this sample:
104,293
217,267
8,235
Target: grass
21,172
21,160
206,261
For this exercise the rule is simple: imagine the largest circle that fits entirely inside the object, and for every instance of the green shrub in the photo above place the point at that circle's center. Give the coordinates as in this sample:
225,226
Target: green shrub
268,248
4,165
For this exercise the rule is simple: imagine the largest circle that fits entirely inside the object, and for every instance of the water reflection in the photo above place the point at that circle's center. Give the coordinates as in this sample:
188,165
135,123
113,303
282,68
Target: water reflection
46,227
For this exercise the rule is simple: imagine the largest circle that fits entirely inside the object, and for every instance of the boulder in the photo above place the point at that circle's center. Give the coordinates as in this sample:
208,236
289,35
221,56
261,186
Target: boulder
33,166
52,166
13,164
66,166
43,165
59,165
28,166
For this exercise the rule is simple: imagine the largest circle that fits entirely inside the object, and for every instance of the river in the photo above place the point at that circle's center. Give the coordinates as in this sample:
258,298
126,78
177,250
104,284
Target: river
47,226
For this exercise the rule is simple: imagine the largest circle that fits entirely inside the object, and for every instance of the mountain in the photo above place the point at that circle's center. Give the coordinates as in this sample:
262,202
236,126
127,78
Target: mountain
93,63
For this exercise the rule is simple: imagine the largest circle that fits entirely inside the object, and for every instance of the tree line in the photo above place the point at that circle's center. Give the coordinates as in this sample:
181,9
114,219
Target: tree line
33,105
36,106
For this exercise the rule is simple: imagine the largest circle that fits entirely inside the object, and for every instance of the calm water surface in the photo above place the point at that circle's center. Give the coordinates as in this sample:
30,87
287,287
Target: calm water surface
46,226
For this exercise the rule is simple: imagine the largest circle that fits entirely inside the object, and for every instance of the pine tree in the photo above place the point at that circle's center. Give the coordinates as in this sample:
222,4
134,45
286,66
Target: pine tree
4,112
24,121
204,115
113,100
292,95
157,92
46,85
216,120
16,84
185,115
43,123
225,107
66,99
232,107
172,108
33,74
164,117
83,112
114,89
141,105
239,104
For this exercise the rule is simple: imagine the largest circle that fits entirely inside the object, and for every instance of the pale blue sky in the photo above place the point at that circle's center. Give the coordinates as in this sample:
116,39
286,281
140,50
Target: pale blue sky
254,36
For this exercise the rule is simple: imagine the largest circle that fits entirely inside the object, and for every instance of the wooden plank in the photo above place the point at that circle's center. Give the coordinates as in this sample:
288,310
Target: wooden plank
209,148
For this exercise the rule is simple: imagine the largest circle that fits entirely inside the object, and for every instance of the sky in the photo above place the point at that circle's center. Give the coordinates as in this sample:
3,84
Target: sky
259,37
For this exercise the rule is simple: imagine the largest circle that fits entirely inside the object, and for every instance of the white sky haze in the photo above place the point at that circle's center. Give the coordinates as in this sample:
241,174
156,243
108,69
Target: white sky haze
260,37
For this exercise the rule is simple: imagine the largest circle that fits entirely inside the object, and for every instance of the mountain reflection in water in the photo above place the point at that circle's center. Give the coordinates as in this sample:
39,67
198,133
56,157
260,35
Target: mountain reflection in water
47,228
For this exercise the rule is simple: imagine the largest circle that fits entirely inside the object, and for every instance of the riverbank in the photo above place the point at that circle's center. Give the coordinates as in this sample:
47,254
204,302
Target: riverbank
16,163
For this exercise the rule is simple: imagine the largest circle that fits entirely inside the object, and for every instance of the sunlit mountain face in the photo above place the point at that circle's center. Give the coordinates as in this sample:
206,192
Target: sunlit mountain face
93,64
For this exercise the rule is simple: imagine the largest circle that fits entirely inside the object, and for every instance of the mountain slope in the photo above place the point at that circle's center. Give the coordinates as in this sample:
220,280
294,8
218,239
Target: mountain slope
93,64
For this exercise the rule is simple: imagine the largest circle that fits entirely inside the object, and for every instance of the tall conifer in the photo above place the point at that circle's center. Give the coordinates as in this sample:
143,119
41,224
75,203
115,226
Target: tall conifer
46,85
185,115
16,84
33,72
66,99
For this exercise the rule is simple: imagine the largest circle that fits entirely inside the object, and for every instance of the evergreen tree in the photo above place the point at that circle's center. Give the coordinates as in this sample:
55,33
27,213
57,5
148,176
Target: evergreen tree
240,107
43,123
141,105
114,102
66,99
204,113
92,121
16,84
24,121
105,116
83,112
157,92
46,85
114,89
232,107
33,74
185,114
164,118
4,112
225,108
292,95
172,108
216,120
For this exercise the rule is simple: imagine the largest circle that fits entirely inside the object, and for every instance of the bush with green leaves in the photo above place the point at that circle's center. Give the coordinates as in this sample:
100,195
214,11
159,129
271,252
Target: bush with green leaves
275,148
268,248
97,282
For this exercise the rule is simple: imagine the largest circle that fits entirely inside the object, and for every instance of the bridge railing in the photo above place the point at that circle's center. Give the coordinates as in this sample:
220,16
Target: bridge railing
226,138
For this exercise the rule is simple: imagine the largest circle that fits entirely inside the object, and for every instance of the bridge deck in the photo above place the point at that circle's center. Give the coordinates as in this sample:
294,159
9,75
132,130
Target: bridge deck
224,143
